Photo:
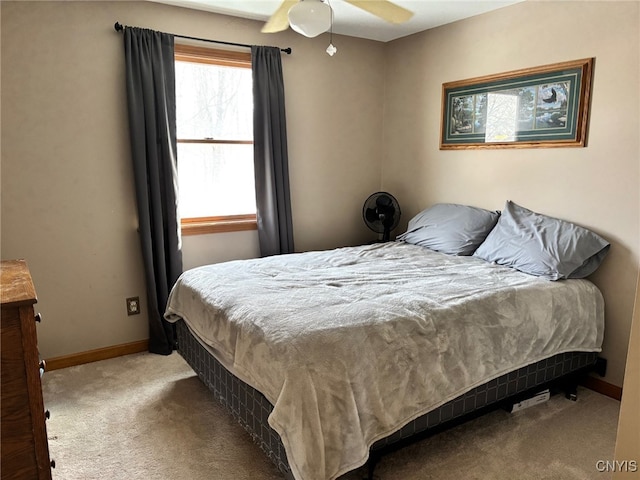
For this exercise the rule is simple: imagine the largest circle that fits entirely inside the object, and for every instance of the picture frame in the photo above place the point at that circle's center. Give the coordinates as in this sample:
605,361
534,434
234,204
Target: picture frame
545,106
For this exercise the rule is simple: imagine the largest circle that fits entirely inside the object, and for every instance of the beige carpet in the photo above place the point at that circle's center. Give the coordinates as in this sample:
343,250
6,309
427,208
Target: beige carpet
149,417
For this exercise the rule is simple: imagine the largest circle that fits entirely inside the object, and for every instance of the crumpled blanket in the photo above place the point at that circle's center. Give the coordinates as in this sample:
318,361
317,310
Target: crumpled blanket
351,344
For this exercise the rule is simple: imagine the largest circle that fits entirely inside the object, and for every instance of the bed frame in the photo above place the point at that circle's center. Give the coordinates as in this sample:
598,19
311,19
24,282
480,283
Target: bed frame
251,409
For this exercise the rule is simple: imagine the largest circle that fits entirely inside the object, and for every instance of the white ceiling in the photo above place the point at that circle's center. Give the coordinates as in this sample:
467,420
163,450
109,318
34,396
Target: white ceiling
349,20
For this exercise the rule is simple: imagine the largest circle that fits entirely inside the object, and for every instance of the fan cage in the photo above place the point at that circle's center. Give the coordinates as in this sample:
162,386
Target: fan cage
381,213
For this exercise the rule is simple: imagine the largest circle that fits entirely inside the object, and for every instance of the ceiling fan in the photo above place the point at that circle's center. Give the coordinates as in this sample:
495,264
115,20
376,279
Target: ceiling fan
313,17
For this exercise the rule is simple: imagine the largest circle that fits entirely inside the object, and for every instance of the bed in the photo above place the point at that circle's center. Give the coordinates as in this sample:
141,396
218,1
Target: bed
326,357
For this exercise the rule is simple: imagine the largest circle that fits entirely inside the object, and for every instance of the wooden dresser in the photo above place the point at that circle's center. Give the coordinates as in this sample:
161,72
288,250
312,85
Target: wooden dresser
24,448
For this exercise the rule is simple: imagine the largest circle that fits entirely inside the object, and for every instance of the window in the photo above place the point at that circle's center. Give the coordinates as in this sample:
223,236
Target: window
214,115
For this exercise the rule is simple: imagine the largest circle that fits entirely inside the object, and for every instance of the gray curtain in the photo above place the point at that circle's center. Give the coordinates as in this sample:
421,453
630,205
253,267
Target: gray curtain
273,198
150,77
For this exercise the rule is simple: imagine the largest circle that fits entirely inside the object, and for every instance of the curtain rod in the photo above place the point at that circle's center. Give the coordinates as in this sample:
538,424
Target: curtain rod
119,28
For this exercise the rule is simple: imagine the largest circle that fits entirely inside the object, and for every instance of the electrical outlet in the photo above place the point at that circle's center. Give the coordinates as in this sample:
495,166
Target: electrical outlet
133,305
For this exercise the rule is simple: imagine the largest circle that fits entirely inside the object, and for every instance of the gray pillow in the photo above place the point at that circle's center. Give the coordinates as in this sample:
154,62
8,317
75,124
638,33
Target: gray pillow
543,246
450,228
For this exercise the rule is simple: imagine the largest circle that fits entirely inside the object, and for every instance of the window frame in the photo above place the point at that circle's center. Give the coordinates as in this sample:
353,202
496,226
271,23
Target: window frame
226,223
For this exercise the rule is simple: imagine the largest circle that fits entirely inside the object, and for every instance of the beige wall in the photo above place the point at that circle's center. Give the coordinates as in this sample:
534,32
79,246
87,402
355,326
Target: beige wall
366,118
67,193
596,186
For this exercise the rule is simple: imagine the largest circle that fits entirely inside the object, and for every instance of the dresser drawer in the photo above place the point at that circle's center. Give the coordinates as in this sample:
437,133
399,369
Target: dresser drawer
24,449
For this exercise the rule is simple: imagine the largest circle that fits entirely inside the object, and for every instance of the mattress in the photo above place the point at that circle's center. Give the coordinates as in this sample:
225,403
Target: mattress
251,409
335,339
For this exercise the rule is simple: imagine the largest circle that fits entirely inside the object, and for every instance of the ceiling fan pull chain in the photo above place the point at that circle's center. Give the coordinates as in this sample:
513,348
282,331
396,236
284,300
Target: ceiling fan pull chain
331,49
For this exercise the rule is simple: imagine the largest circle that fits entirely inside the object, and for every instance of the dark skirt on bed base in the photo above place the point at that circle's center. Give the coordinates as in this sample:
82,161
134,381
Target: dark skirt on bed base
251,409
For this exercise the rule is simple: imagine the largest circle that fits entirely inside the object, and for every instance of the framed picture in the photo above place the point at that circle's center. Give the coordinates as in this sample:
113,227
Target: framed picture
545,106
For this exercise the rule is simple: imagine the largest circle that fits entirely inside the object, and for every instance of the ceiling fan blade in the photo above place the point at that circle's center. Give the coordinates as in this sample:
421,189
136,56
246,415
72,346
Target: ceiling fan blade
384,9
279,21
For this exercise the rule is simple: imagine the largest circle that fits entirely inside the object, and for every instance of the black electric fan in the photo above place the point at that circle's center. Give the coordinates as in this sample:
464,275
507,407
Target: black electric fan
381,213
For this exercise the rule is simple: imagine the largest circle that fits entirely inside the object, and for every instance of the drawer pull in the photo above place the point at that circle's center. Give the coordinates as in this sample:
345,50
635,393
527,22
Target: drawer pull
43,366
47,414
38,317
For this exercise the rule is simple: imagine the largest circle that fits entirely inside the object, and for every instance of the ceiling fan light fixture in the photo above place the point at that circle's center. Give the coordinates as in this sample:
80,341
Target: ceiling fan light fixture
310,17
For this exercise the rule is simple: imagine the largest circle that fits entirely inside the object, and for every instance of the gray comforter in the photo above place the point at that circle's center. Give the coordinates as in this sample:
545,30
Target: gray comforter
351,344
